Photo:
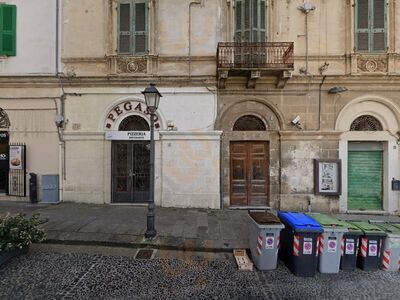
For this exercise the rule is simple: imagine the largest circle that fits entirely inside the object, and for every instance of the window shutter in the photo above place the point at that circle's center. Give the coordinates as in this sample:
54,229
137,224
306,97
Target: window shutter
371,25
140,28
238,29
379,25
8,30
250,21
125,34
362,25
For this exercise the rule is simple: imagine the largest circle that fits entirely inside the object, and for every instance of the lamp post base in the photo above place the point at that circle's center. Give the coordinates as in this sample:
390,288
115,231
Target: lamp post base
150,234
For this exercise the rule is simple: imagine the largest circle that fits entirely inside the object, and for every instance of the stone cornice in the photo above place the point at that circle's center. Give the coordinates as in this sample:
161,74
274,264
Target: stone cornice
309,135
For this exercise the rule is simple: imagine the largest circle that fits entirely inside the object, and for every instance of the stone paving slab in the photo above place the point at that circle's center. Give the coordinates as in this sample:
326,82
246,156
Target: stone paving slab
178,228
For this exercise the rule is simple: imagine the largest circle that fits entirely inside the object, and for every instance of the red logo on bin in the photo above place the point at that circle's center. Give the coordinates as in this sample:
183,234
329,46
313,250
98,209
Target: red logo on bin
270,241
373,248
307,246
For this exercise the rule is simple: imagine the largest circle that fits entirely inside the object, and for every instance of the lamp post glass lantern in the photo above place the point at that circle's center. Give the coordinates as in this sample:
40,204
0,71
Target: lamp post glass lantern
152,97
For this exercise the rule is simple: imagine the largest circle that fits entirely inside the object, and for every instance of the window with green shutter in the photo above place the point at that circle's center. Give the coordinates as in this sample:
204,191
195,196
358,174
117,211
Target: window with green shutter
132,27
250,21
8,29
370,25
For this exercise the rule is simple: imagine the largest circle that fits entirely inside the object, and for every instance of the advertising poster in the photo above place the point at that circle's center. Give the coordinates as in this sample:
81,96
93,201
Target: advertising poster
16,157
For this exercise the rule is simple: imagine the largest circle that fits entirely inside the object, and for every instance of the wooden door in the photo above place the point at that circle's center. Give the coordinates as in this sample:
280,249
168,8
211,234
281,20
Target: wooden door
249,173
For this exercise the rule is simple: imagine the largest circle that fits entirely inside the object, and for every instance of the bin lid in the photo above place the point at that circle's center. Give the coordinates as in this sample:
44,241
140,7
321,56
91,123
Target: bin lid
300,221
368,229
328,222
389,228
264,217
352,229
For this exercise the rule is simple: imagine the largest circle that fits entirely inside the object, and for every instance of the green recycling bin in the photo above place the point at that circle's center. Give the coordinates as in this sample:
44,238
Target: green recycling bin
349,247
391,248
369,257
330,242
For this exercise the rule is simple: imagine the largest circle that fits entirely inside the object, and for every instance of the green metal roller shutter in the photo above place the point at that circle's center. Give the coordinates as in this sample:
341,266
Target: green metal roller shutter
365,180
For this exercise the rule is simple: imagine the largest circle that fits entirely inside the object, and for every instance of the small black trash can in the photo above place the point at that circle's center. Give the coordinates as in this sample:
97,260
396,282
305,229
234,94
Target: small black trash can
33,188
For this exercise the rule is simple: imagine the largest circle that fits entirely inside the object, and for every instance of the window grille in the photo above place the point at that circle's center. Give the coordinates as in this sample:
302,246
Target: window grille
249,123
366,123
134,123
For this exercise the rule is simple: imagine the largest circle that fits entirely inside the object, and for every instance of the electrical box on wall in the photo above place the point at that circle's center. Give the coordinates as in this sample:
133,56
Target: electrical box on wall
395,185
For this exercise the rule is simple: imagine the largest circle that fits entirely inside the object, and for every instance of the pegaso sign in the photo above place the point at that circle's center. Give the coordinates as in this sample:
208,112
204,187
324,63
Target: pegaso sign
130,135
121,110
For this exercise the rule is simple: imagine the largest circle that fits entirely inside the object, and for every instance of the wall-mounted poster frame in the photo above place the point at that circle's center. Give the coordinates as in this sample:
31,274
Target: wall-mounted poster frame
328,177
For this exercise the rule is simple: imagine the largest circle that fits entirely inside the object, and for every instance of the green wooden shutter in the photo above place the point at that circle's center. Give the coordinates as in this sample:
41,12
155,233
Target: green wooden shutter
378,26
370,25
140,27
8,30
364,180
124,28
239,17
250,21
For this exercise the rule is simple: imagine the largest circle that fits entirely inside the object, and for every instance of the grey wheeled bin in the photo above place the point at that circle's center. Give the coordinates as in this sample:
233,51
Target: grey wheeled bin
391,248
330,242
265,229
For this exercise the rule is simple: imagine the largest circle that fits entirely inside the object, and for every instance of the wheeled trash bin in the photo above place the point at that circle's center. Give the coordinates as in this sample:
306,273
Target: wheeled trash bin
350,244
264,235
329,243
391,248
369,254
299,243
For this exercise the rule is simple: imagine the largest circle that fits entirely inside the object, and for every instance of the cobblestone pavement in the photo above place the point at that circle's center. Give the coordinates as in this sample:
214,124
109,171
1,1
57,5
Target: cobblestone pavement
96,274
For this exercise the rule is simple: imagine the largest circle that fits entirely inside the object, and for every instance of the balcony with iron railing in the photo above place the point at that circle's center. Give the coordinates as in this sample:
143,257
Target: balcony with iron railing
254,58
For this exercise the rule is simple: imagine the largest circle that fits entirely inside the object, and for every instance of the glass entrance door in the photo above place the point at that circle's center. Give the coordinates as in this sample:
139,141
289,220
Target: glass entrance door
130,172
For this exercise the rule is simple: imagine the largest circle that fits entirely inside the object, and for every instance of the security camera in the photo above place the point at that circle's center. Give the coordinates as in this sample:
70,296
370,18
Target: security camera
296,120
59,120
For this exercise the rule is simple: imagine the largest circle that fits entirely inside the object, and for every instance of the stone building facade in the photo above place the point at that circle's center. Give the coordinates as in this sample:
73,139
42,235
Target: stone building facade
286,104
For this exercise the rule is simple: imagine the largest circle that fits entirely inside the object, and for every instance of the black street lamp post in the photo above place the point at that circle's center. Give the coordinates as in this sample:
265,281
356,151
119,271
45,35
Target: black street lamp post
152,97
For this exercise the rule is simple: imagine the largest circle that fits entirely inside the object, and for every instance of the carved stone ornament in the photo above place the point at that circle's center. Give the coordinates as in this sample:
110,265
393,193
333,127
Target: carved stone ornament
371,65
4,120
132,64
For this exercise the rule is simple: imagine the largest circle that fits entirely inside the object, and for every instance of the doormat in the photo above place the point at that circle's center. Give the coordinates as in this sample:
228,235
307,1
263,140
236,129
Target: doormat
145,254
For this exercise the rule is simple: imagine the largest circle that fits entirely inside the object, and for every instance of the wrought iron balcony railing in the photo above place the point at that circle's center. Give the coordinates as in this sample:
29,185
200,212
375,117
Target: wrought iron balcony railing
256,55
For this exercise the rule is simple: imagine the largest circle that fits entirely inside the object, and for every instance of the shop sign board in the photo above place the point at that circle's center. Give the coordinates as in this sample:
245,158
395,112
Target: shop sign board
130,135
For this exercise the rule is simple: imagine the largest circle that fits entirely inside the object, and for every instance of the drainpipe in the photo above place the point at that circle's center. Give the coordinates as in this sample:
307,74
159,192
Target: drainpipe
198,2
320,102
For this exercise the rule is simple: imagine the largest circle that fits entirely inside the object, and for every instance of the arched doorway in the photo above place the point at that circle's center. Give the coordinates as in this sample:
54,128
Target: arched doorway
365,167
249,165
131,164
368,148
4,155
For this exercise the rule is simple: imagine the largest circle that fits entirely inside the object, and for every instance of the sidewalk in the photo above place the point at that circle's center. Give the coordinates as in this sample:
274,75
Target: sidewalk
177,228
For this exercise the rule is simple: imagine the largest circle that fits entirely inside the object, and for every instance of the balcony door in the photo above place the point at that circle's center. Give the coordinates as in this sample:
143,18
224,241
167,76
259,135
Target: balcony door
249,164
250,21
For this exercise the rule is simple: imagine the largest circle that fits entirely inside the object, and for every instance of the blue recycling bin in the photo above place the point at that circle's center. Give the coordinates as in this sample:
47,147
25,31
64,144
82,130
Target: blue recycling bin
299,243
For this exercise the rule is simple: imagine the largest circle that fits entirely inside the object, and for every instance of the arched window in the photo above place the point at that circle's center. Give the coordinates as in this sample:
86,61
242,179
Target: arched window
366,123
249,123
134,123
4,120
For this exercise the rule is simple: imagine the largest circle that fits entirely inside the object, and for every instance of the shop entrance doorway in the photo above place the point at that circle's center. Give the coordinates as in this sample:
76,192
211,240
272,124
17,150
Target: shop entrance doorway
130,172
